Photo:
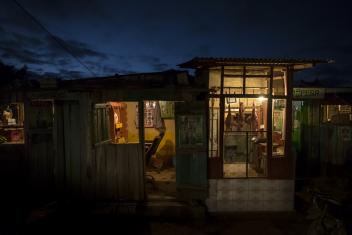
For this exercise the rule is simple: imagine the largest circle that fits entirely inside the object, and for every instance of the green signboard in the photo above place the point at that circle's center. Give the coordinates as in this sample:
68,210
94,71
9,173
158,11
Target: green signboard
308,93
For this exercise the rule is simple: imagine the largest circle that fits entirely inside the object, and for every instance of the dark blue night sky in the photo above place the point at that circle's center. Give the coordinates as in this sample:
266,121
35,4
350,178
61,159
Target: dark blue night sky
144,36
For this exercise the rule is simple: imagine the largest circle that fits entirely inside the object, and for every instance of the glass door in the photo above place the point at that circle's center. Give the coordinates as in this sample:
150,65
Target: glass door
245,137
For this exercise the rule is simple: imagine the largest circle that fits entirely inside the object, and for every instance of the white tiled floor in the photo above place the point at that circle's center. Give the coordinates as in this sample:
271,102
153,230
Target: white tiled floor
250,195
238,170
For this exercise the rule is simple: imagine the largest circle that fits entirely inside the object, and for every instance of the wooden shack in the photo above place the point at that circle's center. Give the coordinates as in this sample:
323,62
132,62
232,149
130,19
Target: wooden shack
80,139
322,133
222,136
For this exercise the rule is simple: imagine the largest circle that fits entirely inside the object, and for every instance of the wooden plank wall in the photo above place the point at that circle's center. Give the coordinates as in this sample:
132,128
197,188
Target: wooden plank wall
40,163
71,135
12,172
105,172
64,163
118,172
39,148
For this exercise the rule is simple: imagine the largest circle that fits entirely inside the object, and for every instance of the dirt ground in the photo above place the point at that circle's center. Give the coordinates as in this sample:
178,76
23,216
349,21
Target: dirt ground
241,223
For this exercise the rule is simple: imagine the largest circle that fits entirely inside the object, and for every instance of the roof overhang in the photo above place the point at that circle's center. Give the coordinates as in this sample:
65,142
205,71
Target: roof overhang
208,62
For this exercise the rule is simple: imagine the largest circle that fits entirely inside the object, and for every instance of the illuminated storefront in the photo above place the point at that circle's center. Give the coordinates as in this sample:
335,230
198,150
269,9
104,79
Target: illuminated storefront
249,131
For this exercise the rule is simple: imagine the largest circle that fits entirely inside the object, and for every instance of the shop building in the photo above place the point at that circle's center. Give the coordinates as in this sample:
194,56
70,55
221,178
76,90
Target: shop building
322,132
250,162
222,136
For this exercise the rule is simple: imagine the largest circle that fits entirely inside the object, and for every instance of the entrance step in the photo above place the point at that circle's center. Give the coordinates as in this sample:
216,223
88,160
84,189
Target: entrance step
172,209
156,208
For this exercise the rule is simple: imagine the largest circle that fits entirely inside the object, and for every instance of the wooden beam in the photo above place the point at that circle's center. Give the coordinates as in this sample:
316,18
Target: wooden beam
141,136
221,139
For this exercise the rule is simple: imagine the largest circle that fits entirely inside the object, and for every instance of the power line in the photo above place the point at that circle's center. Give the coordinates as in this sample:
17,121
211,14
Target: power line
58,41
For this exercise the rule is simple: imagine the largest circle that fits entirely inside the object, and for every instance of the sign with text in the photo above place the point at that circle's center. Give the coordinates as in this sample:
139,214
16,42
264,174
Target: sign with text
308,93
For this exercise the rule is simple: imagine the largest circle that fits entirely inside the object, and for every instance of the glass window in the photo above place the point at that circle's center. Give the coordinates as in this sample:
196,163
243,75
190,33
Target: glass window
214,127
11,123
234,70
257,71
257,85
215,80
233,80
278,126
116,122
245,126
233,85
279,81
337,114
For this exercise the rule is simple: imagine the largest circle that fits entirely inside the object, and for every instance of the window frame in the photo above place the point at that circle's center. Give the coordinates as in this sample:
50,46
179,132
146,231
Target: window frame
102,140
287,96
19,126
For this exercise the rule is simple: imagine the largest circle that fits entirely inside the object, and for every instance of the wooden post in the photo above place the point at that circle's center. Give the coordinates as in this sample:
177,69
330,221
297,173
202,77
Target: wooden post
288,136
244,80
269,132
222,105
141,135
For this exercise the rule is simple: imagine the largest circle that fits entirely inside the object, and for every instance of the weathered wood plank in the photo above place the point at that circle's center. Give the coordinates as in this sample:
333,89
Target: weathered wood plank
67,148
59,150
122,171
85,135
75,141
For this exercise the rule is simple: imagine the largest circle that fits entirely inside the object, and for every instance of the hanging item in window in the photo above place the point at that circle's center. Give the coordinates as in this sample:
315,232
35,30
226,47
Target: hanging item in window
149,114
228,121
119,121
240,117
152,115
254,119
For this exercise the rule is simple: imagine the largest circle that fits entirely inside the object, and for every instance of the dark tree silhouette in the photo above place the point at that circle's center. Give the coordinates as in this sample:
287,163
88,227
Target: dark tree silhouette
12,77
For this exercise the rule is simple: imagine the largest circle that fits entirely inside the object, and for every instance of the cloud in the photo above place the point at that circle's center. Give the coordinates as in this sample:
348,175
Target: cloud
79,49
21,55
38,50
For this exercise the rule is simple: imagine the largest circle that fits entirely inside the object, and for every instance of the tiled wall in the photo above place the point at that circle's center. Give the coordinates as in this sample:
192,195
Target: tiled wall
250,195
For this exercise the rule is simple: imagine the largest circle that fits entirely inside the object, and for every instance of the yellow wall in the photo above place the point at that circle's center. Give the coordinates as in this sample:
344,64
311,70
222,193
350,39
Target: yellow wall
133,135
149,133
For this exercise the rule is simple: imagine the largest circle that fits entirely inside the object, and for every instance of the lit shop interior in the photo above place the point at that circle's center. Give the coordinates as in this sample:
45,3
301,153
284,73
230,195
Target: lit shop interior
242,114
117,123
12,123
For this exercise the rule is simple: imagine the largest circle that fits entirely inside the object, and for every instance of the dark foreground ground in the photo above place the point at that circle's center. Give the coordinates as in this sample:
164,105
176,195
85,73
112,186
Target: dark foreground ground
239,223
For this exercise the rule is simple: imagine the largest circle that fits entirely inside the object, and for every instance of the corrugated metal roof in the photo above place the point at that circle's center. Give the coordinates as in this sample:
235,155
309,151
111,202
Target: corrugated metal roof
144,80
199,62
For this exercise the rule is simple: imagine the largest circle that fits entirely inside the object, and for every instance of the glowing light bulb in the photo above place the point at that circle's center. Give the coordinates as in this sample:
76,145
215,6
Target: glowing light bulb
261,98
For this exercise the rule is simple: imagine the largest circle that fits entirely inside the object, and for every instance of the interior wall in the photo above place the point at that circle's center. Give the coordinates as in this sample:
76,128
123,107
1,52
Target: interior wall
151,133
133,135
169,133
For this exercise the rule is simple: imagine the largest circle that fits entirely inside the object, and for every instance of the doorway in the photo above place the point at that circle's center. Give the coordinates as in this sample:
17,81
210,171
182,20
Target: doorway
160,156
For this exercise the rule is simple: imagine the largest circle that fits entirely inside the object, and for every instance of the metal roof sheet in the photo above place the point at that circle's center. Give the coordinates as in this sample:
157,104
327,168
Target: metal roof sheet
199,62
